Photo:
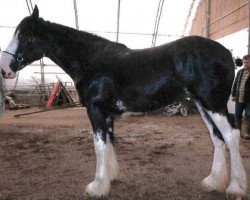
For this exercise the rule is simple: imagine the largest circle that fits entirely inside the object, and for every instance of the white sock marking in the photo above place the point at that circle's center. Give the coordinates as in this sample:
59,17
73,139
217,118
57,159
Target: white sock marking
218,178
106,166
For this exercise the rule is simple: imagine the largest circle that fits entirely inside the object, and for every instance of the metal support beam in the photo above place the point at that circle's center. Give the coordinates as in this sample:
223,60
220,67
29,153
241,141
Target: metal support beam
42,72
118,20
76,14
157,22
29,6
188,17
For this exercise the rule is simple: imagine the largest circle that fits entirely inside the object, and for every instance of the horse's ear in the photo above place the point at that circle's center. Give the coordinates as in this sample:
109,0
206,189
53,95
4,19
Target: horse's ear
35,13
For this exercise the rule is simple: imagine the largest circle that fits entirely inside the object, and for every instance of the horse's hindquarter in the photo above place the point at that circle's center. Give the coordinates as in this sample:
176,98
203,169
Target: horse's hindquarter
206,69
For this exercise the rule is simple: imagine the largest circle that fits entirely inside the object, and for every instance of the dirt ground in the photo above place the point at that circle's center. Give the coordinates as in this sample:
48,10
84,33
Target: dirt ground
51,156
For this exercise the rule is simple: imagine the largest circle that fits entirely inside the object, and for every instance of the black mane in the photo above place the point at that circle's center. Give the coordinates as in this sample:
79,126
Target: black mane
66,31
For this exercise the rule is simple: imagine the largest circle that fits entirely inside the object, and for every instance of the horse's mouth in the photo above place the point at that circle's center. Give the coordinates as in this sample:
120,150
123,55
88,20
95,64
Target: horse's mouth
9,75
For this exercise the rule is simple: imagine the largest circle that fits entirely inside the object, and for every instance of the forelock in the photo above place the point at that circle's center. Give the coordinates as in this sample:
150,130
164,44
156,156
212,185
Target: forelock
27,25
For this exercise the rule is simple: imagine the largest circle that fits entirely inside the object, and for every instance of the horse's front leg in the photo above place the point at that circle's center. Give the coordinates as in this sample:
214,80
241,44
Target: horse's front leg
106,163
112,161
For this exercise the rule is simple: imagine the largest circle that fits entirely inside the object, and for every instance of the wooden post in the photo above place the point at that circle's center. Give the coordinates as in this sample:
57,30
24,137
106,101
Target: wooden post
208,3
248,27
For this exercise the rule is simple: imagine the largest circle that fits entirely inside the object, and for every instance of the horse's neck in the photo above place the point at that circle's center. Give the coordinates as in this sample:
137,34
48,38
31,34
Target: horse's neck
72,49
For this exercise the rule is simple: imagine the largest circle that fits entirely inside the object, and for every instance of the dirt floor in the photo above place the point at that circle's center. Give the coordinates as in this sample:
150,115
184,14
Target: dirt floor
51,156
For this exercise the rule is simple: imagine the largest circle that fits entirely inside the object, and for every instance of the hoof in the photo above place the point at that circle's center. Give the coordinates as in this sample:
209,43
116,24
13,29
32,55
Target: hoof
235,190
211,184
97,189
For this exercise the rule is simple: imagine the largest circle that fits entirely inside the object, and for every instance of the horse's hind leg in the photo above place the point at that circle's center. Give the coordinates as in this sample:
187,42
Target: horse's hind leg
218,178
238,183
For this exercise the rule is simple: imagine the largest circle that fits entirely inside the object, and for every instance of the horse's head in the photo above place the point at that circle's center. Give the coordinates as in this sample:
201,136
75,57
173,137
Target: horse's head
25,47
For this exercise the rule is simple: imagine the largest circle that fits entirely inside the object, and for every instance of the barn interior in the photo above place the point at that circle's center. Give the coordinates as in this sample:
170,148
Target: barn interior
46,148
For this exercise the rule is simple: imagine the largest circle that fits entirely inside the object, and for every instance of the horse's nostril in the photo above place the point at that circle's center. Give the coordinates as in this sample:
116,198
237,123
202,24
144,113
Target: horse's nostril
3,72
9,74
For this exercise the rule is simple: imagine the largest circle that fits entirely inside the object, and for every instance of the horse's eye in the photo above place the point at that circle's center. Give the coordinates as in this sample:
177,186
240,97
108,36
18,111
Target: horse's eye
31,39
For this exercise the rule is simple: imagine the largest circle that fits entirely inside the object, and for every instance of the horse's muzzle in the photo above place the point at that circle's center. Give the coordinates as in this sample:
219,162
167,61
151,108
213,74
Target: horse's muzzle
9,75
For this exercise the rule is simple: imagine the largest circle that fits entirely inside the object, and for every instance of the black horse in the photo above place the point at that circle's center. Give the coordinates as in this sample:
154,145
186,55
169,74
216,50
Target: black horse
111,78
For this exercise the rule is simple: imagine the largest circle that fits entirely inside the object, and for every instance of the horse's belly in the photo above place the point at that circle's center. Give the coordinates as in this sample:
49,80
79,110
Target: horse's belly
138,105
149,97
